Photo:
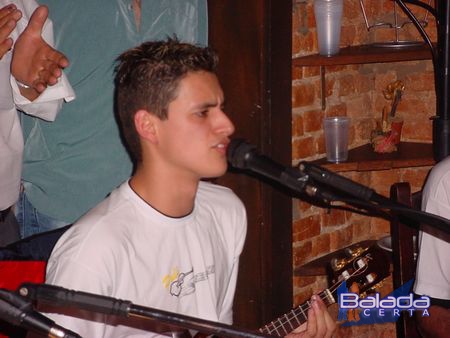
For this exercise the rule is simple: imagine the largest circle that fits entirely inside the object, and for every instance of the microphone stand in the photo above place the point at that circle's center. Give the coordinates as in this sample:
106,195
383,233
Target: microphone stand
329,186
441,64
172,322
19,312
324,185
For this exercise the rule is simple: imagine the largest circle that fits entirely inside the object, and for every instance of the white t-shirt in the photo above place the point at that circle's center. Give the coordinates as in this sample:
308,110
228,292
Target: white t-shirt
433,265
45,106
125,249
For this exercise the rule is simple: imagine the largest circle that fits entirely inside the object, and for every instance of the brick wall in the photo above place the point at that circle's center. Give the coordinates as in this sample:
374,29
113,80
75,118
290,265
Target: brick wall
354,91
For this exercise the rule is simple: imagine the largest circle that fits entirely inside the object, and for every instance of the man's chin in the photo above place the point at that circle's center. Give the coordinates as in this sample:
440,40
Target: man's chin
215,173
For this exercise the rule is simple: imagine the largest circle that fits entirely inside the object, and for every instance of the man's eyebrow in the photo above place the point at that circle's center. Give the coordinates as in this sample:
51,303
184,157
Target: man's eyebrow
206,105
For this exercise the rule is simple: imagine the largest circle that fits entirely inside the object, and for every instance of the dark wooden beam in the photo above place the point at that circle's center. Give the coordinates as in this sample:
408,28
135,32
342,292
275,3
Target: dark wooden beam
253,40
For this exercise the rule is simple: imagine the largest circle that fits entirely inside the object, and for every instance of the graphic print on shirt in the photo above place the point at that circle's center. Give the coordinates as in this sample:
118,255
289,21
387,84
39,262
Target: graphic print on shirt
180,284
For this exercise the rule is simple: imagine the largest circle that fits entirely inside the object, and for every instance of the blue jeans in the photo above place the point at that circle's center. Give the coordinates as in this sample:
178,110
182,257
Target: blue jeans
32,221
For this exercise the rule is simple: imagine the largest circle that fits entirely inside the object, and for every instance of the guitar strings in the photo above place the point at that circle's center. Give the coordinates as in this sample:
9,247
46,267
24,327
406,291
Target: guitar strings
300,310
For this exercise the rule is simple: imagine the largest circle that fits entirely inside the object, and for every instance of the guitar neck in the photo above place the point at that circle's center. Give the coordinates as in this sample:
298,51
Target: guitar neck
294,318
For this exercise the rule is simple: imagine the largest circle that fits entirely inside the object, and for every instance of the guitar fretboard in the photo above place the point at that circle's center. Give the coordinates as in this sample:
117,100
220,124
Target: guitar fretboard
294,318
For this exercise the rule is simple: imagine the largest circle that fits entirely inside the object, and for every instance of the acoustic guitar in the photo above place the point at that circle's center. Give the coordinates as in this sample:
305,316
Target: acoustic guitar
363,271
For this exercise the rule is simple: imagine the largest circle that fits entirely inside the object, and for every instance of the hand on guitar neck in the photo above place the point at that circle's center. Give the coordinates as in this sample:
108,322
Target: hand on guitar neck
319,322
309,320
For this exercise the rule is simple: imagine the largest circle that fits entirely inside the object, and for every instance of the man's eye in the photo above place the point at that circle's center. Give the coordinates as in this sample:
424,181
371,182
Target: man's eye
202,113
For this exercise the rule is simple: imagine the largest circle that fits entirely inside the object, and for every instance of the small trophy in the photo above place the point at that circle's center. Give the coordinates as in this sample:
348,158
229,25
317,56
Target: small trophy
387,134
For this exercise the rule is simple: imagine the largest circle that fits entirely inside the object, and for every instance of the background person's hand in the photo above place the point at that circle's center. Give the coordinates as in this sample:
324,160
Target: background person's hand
9,15
35,63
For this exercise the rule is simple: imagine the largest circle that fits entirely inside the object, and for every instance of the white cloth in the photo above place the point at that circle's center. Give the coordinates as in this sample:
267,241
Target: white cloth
125,249
45,106
433,266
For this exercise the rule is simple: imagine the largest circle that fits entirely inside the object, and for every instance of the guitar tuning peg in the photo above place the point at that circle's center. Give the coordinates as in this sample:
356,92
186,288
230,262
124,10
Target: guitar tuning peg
370,278
338,264
349,252
355,251
345,275
361,263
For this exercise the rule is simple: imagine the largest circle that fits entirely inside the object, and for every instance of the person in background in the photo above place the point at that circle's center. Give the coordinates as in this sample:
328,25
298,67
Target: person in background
165,238
31,79
70,165
433,264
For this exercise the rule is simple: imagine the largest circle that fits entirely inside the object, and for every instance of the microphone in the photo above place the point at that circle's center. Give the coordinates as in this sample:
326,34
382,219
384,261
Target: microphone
341,183
161,321
242,155
60,296
19,312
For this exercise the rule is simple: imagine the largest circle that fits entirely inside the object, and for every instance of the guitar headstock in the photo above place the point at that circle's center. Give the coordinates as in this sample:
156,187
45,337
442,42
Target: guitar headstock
363,269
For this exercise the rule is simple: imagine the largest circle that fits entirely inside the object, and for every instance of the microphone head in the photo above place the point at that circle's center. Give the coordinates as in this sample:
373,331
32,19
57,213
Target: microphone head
238,152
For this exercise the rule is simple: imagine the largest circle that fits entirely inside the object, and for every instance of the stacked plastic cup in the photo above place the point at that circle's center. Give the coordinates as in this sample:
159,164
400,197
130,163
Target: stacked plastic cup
328,14
336,130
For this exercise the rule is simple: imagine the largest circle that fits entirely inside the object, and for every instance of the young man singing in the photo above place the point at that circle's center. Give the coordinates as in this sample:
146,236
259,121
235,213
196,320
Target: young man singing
164,239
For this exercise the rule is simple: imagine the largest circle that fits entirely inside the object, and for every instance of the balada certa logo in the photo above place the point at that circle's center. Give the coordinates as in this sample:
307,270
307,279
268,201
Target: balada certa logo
371,309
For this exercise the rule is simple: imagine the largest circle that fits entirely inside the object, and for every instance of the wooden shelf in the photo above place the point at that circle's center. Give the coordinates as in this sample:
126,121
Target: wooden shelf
363,158
365,54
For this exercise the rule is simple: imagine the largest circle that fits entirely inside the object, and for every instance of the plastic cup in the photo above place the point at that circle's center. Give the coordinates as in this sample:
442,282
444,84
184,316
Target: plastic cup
328,14
336,138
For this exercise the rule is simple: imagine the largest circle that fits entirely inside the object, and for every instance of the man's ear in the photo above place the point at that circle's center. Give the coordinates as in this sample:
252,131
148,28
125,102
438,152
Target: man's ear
144,123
